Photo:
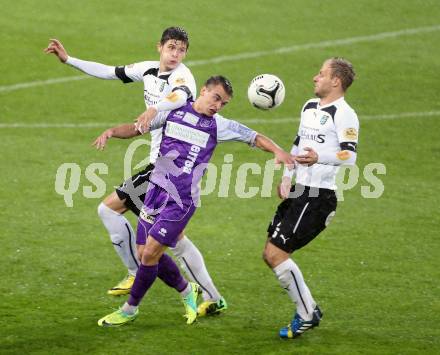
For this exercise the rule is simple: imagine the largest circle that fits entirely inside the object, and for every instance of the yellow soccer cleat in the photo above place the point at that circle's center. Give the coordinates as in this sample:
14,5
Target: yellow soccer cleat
123,287
210,308
190,303
117,318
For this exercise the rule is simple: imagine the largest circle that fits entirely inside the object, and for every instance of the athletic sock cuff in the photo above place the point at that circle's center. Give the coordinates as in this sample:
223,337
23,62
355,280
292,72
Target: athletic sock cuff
284,266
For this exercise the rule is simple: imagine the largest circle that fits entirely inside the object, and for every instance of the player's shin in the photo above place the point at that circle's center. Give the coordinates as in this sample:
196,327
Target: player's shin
121,235
145,277
169,273
192,262
291,279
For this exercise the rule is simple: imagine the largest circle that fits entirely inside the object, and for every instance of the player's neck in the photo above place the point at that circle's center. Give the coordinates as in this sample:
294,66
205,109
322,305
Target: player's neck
196,107
163,68
330,98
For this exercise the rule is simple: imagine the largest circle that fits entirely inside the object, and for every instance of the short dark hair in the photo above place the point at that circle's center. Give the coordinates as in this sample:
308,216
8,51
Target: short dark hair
176,33
220,80
342,69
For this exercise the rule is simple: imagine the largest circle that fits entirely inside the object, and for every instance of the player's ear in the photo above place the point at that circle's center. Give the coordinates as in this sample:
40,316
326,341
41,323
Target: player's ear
159,47
203,90
336,81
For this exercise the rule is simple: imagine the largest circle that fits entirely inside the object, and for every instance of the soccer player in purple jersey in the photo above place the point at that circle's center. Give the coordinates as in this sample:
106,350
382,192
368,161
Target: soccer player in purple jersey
190,135
168,84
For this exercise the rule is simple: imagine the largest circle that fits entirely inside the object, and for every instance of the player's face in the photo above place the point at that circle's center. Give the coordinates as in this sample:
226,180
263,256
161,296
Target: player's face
212,99
172,52
324,83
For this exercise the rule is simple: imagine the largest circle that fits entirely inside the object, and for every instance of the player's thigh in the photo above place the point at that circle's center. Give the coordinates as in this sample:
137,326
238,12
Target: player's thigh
303,219
315,219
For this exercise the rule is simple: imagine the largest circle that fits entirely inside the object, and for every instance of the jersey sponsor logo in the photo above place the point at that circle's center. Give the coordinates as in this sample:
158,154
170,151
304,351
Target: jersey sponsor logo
186,134
163,232
190,118
146,217
191,159
305,134
350,133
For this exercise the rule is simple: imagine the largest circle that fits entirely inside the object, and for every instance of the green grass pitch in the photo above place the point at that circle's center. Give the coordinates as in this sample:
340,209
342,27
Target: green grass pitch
374,271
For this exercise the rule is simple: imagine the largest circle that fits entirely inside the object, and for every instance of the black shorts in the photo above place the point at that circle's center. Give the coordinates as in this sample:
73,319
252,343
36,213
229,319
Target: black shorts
133,189
298,220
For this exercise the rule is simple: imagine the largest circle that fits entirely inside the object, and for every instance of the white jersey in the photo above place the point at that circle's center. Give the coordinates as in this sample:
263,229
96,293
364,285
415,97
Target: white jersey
325,129
156,86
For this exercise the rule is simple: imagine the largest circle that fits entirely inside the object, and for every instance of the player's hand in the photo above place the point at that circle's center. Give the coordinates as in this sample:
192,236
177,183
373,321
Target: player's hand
100,142
309,158
284,187
283,157
144,120
57,48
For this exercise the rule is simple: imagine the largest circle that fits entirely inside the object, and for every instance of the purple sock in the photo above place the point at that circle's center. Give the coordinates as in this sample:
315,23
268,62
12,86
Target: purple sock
145,277
169,273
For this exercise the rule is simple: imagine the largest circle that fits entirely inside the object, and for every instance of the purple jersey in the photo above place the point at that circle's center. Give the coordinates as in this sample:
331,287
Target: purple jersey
188,142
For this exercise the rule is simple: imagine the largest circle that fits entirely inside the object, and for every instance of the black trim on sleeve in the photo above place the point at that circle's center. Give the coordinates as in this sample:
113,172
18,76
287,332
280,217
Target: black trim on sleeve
310,105
120,73
352,146
185,89
296,141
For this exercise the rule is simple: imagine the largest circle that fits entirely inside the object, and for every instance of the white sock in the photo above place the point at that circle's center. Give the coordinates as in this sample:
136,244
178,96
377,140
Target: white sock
186,291
192,262
129,309
291,279
121,235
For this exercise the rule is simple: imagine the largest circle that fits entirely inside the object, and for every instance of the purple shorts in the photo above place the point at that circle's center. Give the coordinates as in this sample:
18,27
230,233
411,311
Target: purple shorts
162,218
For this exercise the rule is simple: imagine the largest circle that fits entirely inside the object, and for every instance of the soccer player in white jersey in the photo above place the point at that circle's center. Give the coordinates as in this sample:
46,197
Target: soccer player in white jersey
168,83
327,138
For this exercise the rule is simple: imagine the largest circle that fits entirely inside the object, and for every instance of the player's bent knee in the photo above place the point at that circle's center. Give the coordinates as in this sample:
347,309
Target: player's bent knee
267,257
113,202
140,250
273,256
151,256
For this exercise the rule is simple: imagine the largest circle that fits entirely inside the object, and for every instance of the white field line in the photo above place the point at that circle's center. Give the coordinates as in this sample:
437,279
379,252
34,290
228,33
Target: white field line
270,121
248,55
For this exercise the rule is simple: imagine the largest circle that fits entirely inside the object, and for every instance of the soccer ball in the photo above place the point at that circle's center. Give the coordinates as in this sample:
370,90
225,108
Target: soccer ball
266,91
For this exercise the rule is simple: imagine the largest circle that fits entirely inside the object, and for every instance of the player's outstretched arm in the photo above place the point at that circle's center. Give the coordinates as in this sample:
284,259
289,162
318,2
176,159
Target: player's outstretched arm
123,131
268,145
55,47
97,70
